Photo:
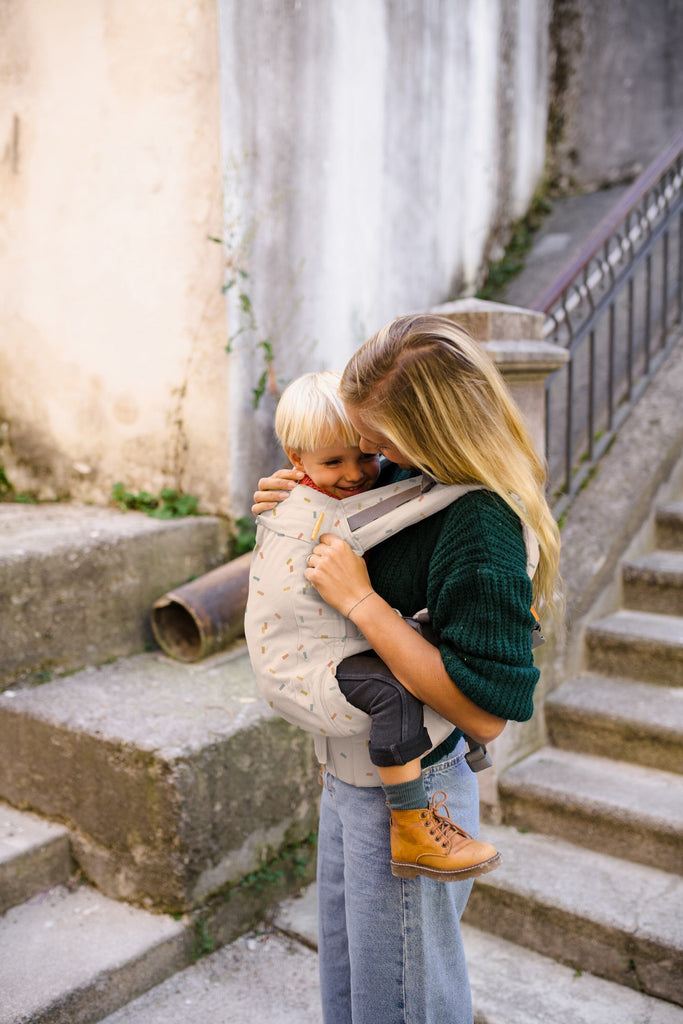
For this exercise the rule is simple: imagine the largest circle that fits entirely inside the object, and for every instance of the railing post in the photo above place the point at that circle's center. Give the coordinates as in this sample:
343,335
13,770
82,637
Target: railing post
514,338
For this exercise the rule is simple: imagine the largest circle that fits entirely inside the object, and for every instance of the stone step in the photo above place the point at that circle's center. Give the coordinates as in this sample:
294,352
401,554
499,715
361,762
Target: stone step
272,974
638,645
513,985
80,581
162,771
593,912
609,806
261,976
72,956
34,856
618,718
669,526
654,583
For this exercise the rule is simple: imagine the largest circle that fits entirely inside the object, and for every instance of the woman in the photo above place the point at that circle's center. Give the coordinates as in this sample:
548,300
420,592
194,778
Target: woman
428,398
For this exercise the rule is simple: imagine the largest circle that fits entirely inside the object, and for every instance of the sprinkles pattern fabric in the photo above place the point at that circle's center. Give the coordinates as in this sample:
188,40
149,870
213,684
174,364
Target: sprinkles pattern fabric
296,640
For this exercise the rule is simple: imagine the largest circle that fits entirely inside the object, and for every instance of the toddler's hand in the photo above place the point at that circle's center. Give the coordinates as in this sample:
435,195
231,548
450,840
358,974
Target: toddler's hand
275,488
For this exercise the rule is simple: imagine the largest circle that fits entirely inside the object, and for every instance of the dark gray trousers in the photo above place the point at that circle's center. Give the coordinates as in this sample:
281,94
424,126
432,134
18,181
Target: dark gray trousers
397,732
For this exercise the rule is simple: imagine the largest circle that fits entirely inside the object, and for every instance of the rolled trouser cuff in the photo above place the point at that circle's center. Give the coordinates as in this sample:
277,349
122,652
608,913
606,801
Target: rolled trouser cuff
400,753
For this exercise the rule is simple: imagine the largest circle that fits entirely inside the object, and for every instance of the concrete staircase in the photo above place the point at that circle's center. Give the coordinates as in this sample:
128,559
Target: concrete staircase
138,826
136,805
582,922
592,839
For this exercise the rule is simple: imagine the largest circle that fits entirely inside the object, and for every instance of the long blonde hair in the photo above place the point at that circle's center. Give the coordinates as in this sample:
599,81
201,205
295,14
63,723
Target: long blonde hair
435,394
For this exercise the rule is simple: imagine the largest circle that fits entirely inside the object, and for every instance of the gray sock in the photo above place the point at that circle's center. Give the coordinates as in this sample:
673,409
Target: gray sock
407,796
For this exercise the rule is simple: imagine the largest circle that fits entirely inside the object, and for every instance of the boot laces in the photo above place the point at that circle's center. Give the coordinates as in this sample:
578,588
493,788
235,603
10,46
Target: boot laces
441,825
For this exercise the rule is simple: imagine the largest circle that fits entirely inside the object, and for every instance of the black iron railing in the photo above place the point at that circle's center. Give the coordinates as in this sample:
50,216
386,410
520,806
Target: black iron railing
614,307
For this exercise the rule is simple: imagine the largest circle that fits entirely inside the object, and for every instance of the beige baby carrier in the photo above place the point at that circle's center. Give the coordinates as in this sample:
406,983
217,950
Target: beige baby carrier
296,640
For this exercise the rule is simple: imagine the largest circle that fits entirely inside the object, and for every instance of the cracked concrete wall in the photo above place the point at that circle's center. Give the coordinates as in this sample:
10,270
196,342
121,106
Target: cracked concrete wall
112,323
616,95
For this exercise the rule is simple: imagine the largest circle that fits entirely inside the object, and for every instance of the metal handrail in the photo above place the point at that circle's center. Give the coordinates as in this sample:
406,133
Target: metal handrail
603,231
612,306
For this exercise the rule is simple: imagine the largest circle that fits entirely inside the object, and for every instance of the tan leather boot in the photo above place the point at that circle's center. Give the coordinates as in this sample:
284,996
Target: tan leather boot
427,842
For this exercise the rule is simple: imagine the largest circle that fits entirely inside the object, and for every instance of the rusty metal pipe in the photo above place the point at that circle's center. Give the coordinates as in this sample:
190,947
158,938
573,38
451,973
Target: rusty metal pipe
203,616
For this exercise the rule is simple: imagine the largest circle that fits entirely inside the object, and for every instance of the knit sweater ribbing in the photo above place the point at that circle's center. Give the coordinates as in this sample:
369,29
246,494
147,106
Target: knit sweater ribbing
467,565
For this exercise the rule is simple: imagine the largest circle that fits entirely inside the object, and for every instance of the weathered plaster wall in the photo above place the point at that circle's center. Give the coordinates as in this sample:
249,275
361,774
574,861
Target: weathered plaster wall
357,157
112,323
371,150
616,87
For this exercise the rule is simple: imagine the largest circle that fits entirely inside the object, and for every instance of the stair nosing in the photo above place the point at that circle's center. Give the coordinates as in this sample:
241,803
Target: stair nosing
658,694
144,934
626,775
577,901
587,994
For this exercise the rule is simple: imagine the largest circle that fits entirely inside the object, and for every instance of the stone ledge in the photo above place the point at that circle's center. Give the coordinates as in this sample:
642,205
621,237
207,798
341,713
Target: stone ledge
624,810
34,855
592,911
81,581
163,773
489,321
75,956
633,722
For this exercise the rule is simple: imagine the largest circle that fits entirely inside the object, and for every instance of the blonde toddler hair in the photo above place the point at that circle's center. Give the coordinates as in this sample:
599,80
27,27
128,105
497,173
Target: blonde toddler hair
311,415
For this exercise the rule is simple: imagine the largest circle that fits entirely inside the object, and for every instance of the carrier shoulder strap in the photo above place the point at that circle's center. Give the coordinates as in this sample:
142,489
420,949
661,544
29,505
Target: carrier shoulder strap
410,501
373,512
363,520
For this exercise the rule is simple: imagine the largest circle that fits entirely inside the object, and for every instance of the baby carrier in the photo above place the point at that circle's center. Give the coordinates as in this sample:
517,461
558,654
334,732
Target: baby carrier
296,640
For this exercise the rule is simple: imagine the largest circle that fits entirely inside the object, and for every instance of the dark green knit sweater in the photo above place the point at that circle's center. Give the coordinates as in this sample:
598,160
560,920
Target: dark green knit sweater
467,565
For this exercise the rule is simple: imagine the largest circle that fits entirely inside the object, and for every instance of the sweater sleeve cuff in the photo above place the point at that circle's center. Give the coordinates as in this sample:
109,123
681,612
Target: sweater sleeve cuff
506,691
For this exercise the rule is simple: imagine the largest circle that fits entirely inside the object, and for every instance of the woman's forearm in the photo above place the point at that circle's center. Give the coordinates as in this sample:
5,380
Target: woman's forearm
341,578
418,665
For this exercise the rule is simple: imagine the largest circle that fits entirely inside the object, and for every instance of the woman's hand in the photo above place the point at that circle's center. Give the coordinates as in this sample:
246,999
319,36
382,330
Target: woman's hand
337,573
275,488
341,578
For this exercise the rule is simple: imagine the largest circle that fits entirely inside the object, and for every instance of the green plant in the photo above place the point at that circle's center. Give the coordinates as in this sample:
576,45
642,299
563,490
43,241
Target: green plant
255,333
294,860
203,941
237,278
500,272
8,493
262,877
168,504
6,488
245,535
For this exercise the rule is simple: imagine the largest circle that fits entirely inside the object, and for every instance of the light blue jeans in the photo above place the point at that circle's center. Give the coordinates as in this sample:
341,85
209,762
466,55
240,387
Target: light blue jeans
390,949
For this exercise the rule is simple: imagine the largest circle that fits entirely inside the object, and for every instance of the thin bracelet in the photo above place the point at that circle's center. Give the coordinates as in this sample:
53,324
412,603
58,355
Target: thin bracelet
348,614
